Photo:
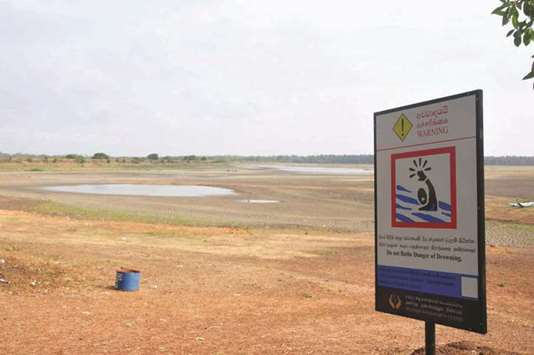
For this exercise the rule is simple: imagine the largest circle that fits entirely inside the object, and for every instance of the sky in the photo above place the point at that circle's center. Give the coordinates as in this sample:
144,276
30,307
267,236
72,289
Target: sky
247,77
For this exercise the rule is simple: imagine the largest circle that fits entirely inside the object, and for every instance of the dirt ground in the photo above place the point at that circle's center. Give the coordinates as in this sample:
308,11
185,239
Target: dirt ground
293,278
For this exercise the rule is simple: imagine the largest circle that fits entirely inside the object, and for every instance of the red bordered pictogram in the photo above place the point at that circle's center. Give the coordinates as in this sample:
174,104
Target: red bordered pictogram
423,189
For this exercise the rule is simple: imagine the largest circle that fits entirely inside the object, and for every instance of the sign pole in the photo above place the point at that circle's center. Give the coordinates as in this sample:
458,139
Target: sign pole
429,213
430,338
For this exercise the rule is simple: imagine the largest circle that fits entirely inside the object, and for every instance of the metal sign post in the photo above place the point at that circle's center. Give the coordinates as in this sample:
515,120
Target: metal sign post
429,213
430,338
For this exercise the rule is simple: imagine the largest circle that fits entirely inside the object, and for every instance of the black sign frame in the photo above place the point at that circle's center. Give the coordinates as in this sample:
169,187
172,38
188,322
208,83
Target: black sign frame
473,312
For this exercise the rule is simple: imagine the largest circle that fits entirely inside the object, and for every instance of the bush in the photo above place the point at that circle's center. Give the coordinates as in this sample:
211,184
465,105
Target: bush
100,156
153,156
73,156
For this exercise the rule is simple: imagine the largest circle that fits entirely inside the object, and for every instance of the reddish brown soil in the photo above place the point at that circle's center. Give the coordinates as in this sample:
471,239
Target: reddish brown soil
222,291
465,348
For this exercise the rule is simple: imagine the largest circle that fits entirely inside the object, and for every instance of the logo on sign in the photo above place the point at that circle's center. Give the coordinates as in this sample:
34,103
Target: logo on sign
402,127
423,189
395,301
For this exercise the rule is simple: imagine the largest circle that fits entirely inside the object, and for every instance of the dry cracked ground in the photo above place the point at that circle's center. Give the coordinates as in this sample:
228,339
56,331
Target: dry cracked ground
210,287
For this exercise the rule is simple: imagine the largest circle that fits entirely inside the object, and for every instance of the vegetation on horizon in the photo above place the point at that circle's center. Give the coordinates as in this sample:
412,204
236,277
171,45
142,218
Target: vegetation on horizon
100,156
155,160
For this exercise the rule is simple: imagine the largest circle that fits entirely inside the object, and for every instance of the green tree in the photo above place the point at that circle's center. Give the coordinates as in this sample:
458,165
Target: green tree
100,156
520,15
153,156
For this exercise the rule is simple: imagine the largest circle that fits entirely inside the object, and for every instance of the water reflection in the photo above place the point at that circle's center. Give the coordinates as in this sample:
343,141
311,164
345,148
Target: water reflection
320,170
144,190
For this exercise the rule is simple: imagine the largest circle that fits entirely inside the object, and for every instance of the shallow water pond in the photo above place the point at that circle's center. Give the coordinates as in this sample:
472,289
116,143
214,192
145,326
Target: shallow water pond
320,170
143,190
259,201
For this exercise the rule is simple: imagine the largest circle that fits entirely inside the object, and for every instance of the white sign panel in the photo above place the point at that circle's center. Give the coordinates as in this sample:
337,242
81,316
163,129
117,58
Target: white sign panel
429,211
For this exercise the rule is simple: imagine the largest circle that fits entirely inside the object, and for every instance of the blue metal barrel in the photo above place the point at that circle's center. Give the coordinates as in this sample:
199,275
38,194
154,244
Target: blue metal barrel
127,280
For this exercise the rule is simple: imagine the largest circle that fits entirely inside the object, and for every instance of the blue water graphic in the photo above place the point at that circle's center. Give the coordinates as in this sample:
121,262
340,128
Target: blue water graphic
444,206
401,207
407,199
403,189
408,211
404,219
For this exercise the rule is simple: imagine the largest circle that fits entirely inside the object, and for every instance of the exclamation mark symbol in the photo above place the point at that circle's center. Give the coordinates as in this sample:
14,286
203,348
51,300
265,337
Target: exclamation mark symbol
402,127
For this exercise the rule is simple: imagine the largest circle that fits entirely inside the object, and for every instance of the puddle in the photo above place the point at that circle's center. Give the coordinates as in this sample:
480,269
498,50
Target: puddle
259,201
319,170
144,190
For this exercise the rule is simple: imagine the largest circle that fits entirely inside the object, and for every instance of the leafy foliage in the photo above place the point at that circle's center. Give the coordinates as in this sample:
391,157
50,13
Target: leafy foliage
100,156
153,156
520,15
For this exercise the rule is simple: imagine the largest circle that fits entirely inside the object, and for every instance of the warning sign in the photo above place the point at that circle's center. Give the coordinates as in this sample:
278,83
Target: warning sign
429,212
402,127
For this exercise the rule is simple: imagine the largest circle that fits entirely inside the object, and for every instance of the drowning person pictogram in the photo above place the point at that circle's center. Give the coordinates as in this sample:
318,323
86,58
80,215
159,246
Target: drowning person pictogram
423,189
428,200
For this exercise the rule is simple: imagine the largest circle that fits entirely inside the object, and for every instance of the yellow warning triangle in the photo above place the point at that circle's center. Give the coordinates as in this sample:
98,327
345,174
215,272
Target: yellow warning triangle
402,127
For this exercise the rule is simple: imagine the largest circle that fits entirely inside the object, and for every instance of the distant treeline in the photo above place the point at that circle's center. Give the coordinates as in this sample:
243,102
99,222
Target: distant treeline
367,159
509,160
305,159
